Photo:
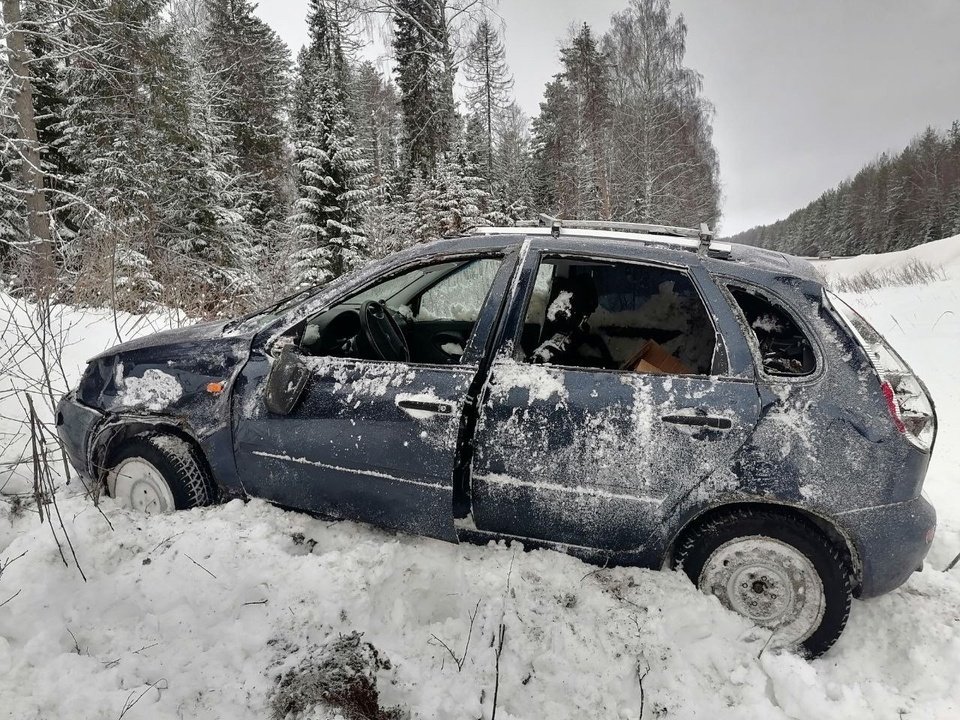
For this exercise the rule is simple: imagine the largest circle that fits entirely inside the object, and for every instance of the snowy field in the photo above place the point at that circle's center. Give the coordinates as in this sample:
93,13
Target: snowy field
196,614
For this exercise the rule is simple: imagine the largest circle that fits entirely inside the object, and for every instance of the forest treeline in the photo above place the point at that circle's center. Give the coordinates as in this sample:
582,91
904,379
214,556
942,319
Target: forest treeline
893,203
174,152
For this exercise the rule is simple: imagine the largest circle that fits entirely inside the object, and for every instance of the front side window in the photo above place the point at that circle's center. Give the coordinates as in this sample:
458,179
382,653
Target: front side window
617,316
460,295
784,348
425,315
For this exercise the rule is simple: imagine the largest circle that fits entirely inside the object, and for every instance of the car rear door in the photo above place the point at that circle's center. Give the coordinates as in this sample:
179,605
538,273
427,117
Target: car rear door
369,440
597,457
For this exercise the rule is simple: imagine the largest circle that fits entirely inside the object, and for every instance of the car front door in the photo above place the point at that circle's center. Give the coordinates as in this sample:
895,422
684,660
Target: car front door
593,443
370,439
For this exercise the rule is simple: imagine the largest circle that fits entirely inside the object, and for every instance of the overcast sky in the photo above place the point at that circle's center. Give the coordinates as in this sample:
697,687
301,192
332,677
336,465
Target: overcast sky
806,91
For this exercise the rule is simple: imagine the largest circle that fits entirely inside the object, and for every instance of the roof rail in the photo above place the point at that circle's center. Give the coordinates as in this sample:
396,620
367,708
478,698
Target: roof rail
699,241
650,228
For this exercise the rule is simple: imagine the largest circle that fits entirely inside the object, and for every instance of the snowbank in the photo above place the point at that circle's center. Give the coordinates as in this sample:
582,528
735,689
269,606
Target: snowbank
193,609
195,614
923,324
943,254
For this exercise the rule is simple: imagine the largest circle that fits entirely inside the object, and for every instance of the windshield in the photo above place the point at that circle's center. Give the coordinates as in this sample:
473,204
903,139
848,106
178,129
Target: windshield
271,312
388,289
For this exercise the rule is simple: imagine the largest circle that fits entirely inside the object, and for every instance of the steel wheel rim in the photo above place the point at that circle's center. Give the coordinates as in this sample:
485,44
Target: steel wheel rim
769,582
138,485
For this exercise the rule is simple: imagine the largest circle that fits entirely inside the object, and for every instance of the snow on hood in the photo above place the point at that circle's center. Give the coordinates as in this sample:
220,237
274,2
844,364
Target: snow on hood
201,332
154,391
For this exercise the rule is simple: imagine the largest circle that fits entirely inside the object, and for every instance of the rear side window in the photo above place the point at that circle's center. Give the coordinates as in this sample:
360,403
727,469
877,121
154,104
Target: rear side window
784,348
617,316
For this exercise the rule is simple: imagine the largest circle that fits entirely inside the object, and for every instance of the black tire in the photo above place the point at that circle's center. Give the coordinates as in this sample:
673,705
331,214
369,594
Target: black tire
831,563
178,461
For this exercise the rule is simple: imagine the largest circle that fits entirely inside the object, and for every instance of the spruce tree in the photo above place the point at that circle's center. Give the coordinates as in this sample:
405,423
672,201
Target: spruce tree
127,120
332,173
217,242
374,106
47,76
554,147
251,65
425,73
513,186
26,151
488,87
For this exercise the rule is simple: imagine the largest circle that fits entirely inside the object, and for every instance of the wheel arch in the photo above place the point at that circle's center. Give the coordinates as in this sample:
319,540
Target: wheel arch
825,525
113,434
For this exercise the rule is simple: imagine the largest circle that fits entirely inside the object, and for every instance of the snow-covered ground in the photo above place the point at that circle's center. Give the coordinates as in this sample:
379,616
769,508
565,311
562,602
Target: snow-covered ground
195,614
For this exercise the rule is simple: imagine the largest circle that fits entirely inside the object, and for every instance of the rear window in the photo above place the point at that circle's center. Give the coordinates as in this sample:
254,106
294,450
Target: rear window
784,348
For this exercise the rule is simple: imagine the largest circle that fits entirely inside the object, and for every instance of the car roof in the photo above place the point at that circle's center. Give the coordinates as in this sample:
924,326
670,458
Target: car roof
747,257
745,261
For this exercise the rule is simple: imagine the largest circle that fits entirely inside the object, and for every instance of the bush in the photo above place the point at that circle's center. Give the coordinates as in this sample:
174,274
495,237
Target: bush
913,273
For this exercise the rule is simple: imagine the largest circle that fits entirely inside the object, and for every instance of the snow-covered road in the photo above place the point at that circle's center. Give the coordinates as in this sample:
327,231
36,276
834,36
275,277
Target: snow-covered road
193,615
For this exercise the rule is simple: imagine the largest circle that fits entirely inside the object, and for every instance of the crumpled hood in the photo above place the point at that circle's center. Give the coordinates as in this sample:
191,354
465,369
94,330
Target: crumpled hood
214,330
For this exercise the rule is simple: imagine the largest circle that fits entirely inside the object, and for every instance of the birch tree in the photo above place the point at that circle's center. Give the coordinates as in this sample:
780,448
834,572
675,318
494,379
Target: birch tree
668,170
26,149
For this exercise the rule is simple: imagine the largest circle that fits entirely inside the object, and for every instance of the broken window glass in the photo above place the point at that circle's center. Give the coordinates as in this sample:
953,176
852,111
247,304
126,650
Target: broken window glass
784,348
617,316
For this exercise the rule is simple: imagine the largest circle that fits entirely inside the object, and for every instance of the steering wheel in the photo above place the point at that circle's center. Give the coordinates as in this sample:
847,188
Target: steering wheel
382,332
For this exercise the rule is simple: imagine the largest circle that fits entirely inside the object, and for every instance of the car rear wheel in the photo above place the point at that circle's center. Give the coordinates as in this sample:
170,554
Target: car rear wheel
777,570
159,473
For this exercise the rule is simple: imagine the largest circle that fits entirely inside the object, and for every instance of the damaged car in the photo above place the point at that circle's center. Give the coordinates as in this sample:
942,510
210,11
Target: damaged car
630,394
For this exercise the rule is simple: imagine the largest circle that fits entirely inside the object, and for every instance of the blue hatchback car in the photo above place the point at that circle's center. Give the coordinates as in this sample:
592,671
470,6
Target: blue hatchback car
630,394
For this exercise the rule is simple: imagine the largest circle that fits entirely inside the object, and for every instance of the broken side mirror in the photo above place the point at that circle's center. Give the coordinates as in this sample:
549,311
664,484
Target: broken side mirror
286,382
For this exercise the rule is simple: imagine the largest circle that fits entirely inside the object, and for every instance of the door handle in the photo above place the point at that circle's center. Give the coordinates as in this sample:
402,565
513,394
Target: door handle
428,406
712,422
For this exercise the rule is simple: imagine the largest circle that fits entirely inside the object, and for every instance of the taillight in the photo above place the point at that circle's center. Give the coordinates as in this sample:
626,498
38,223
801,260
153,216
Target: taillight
910,407
891,398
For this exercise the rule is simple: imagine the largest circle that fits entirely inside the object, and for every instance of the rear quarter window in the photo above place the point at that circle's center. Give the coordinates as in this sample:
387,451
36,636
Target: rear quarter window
784,348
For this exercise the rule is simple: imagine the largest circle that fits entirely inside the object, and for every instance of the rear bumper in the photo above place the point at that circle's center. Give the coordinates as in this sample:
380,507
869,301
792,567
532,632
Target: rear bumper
892,541
75,426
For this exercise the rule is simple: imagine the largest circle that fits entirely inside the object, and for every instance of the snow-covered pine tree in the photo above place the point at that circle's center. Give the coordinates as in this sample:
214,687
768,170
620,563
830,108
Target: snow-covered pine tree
464,203
513,186
554,149
333,182
425,73
217,246
126,128
488,85
47,19
251,65
587,77
453,200
374,105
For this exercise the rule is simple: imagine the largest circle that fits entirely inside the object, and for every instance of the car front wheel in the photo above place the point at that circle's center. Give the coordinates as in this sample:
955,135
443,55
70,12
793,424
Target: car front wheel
159,473
777,570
